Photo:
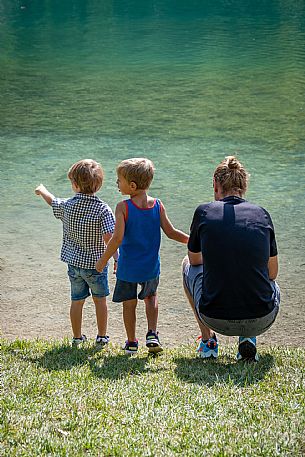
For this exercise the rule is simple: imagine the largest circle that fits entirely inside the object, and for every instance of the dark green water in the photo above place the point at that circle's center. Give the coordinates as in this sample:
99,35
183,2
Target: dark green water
182,82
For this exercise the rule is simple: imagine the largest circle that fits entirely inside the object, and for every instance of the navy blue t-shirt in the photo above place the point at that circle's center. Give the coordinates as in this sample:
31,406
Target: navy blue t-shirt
236,239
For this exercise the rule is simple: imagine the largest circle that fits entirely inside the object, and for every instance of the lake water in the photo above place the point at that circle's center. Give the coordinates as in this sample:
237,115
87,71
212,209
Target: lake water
181,82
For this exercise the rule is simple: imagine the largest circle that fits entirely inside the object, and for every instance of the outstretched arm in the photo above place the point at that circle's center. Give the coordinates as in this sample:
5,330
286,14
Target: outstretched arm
44,193
116,239
169,230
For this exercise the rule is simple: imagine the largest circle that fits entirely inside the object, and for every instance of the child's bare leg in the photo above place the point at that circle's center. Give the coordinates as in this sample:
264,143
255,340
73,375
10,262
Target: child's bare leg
129,316
76,314
152,339
151,307
101,312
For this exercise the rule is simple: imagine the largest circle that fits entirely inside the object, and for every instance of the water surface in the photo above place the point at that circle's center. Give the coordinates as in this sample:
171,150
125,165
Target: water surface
182,82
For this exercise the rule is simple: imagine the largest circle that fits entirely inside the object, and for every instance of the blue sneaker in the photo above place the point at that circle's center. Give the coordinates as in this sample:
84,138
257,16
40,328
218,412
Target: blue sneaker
153,342
208,348
131,347
247,349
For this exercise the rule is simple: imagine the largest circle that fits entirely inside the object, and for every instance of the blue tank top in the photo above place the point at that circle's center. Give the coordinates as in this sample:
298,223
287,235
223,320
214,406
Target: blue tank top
139,258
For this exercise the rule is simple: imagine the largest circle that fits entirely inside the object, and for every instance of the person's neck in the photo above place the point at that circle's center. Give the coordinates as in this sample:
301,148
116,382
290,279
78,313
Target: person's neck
141,199
232,194
83,193
218,195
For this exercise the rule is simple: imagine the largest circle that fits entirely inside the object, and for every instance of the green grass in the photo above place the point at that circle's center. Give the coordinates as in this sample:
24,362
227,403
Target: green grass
61,401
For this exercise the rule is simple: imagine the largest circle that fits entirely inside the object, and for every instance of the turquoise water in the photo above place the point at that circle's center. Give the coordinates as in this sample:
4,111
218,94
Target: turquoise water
182,82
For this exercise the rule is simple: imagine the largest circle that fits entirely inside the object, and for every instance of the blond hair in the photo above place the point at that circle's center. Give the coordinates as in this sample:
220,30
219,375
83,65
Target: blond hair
232,176
87,174
137,170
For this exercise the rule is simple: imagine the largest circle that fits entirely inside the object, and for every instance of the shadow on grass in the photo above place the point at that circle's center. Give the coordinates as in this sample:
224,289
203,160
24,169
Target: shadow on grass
63,357
223,370
118,366
102,363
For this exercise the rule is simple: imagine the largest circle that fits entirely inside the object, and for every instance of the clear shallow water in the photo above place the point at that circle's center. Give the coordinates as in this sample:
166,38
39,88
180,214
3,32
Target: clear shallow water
183,83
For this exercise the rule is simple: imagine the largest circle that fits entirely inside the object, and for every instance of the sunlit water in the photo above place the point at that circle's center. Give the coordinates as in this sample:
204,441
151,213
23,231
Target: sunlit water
184,83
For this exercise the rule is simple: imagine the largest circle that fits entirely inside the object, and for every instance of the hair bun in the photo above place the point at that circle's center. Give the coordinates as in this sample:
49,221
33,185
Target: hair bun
232,163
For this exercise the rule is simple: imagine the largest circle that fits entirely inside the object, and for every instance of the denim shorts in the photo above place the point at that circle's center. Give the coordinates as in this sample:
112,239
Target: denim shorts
84,280
192,276
125,290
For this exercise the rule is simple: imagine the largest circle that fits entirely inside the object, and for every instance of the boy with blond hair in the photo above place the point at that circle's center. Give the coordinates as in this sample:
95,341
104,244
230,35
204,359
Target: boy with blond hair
137,233
88,224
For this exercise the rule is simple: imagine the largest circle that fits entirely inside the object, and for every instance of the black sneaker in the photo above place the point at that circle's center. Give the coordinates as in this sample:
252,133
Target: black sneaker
247,349
77,341
152,342
131,347
102,340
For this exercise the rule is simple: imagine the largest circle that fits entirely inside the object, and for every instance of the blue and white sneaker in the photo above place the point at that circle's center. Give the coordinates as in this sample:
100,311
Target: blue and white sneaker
247,349
208,348
77,341
131,347
102,341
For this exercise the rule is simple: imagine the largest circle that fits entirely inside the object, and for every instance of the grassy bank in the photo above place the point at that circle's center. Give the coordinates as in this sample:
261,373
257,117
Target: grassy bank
81,402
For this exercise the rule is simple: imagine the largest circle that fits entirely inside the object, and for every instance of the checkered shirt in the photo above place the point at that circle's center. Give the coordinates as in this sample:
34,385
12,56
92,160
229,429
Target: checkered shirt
85,219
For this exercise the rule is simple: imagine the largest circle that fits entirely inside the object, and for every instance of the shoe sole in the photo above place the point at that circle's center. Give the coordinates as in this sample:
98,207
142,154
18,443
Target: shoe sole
154,348
127,352
210,356
247,351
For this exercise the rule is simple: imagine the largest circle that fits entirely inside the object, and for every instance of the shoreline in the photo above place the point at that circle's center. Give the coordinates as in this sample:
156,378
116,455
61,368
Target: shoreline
37,306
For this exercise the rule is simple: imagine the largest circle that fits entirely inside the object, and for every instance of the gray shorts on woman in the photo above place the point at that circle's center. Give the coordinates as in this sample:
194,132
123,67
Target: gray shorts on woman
192,276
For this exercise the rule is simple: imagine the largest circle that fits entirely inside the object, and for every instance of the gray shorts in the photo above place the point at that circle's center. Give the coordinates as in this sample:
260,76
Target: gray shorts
192,276
125,290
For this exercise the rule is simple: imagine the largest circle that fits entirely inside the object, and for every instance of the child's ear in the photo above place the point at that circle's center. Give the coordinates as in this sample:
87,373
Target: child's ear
133,185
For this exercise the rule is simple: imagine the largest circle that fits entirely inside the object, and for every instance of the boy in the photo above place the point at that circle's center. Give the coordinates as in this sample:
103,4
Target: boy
137,233
88,224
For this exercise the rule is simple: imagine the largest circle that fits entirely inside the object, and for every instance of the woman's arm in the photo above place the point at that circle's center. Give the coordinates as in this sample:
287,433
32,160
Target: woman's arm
273,267
195,258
